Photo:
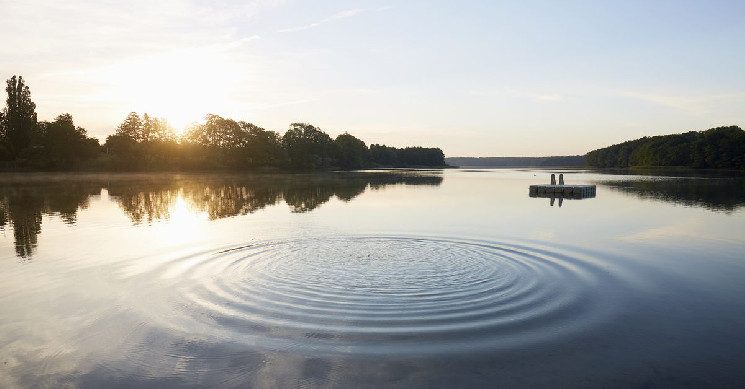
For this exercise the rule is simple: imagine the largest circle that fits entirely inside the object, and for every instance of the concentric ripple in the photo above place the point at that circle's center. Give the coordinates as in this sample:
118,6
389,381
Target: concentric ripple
379,294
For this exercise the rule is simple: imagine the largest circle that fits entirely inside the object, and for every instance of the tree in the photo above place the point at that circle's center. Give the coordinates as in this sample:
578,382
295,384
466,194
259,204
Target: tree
124,152
382,155
160,130
65,144
131,127
308,147
216,132
352,152
19,117
716,148
264,147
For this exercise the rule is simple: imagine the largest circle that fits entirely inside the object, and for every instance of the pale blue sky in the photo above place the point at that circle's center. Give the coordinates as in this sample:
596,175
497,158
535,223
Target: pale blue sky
476,78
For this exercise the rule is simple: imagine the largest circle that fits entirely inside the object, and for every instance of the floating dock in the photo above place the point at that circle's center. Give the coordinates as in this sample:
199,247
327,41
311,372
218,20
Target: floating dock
562,190
570,191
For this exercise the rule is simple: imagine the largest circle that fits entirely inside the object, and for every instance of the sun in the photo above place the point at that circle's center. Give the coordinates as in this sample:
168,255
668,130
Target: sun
180,86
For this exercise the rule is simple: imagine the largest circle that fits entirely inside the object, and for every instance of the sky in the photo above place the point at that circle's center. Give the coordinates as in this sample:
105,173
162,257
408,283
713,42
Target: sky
475,78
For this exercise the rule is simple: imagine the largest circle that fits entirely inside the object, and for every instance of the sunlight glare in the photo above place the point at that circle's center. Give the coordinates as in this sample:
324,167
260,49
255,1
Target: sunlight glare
179,86
184,224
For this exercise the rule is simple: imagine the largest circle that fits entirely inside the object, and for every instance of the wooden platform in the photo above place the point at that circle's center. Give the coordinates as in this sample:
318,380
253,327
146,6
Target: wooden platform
567,191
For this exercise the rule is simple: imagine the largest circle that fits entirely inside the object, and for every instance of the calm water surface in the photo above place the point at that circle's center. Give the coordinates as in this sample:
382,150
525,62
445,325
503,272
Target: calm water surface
371,279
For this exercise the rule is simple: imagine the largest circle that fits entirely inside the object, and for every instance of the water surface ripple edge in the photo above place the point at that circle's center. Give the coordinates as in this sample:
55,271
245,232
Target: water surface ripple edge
388,294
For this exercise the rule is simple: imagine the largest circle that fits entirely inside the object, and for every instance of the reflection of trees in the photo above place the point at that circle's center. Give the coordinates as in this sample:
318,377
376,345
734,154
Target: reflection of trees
307,194
150,198
383,179
140,204
305,198
230,195
229,199
155,201
68,199
718,194
22,207
25,210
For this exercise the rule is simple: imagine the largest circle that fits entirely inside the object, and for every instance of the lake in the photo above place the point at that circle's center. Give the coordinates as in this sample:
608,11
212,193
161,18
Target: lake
404,278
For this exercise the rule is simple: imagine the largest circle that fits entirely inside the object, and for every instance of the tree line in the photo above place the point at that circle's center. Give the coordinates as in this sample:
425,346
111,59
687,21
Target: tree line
518,162
715,148
143,142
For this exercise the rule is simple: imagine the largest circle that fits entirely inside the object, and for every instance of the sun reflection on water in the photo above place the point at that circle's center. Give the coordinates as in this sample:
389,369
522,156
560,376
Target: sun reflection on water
184,224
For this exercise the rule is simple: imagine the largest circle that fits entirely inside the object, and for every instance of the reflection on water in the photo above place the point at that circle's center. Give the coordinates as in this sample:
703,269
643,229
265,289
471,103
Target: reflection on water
22,207
442,279
150,198
226,197
558,198
388,295
724,194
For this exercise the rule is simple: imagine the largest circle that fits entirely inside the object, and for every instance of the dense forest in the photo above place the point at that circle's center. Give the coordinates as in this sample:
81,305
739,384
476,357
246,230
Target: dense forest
146,143
716,148
518,162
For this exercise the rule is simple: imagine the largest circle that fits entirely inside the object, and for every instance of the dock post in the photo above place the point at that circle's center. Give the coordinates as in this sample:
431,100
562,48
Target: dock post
553,179
561,179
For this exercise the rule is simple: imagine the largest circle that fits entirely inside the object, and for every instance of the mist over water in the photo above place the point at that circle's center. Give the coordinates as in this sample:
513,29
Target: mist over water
386,279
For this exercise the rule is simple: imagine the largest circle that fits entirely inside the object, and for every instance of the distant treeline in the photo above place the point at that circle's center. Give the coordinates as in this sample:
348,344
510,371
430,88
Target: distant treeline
149,143
716,148
557,161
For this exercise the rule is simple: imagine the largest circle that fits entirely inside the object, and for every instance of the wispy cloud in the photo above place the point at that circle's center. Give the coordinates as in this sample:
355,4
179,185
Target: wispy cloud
537,96
339,15
80,33
695,105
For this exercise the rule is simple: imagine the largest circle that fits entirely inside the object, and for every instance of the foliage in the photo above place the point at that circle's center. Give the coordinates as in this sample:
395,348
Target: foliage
382,155
716,148
263,147
144,142
351,152
18,117
216,132
421,156
63,145
123,151
131,127
146,129
225,143
308,147
518,162
385,156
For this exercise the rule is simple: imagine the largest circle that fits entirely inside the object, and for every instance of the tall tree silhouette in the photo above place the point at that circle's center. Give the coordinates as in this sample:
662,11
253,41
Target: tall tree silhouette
131,127
19,117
